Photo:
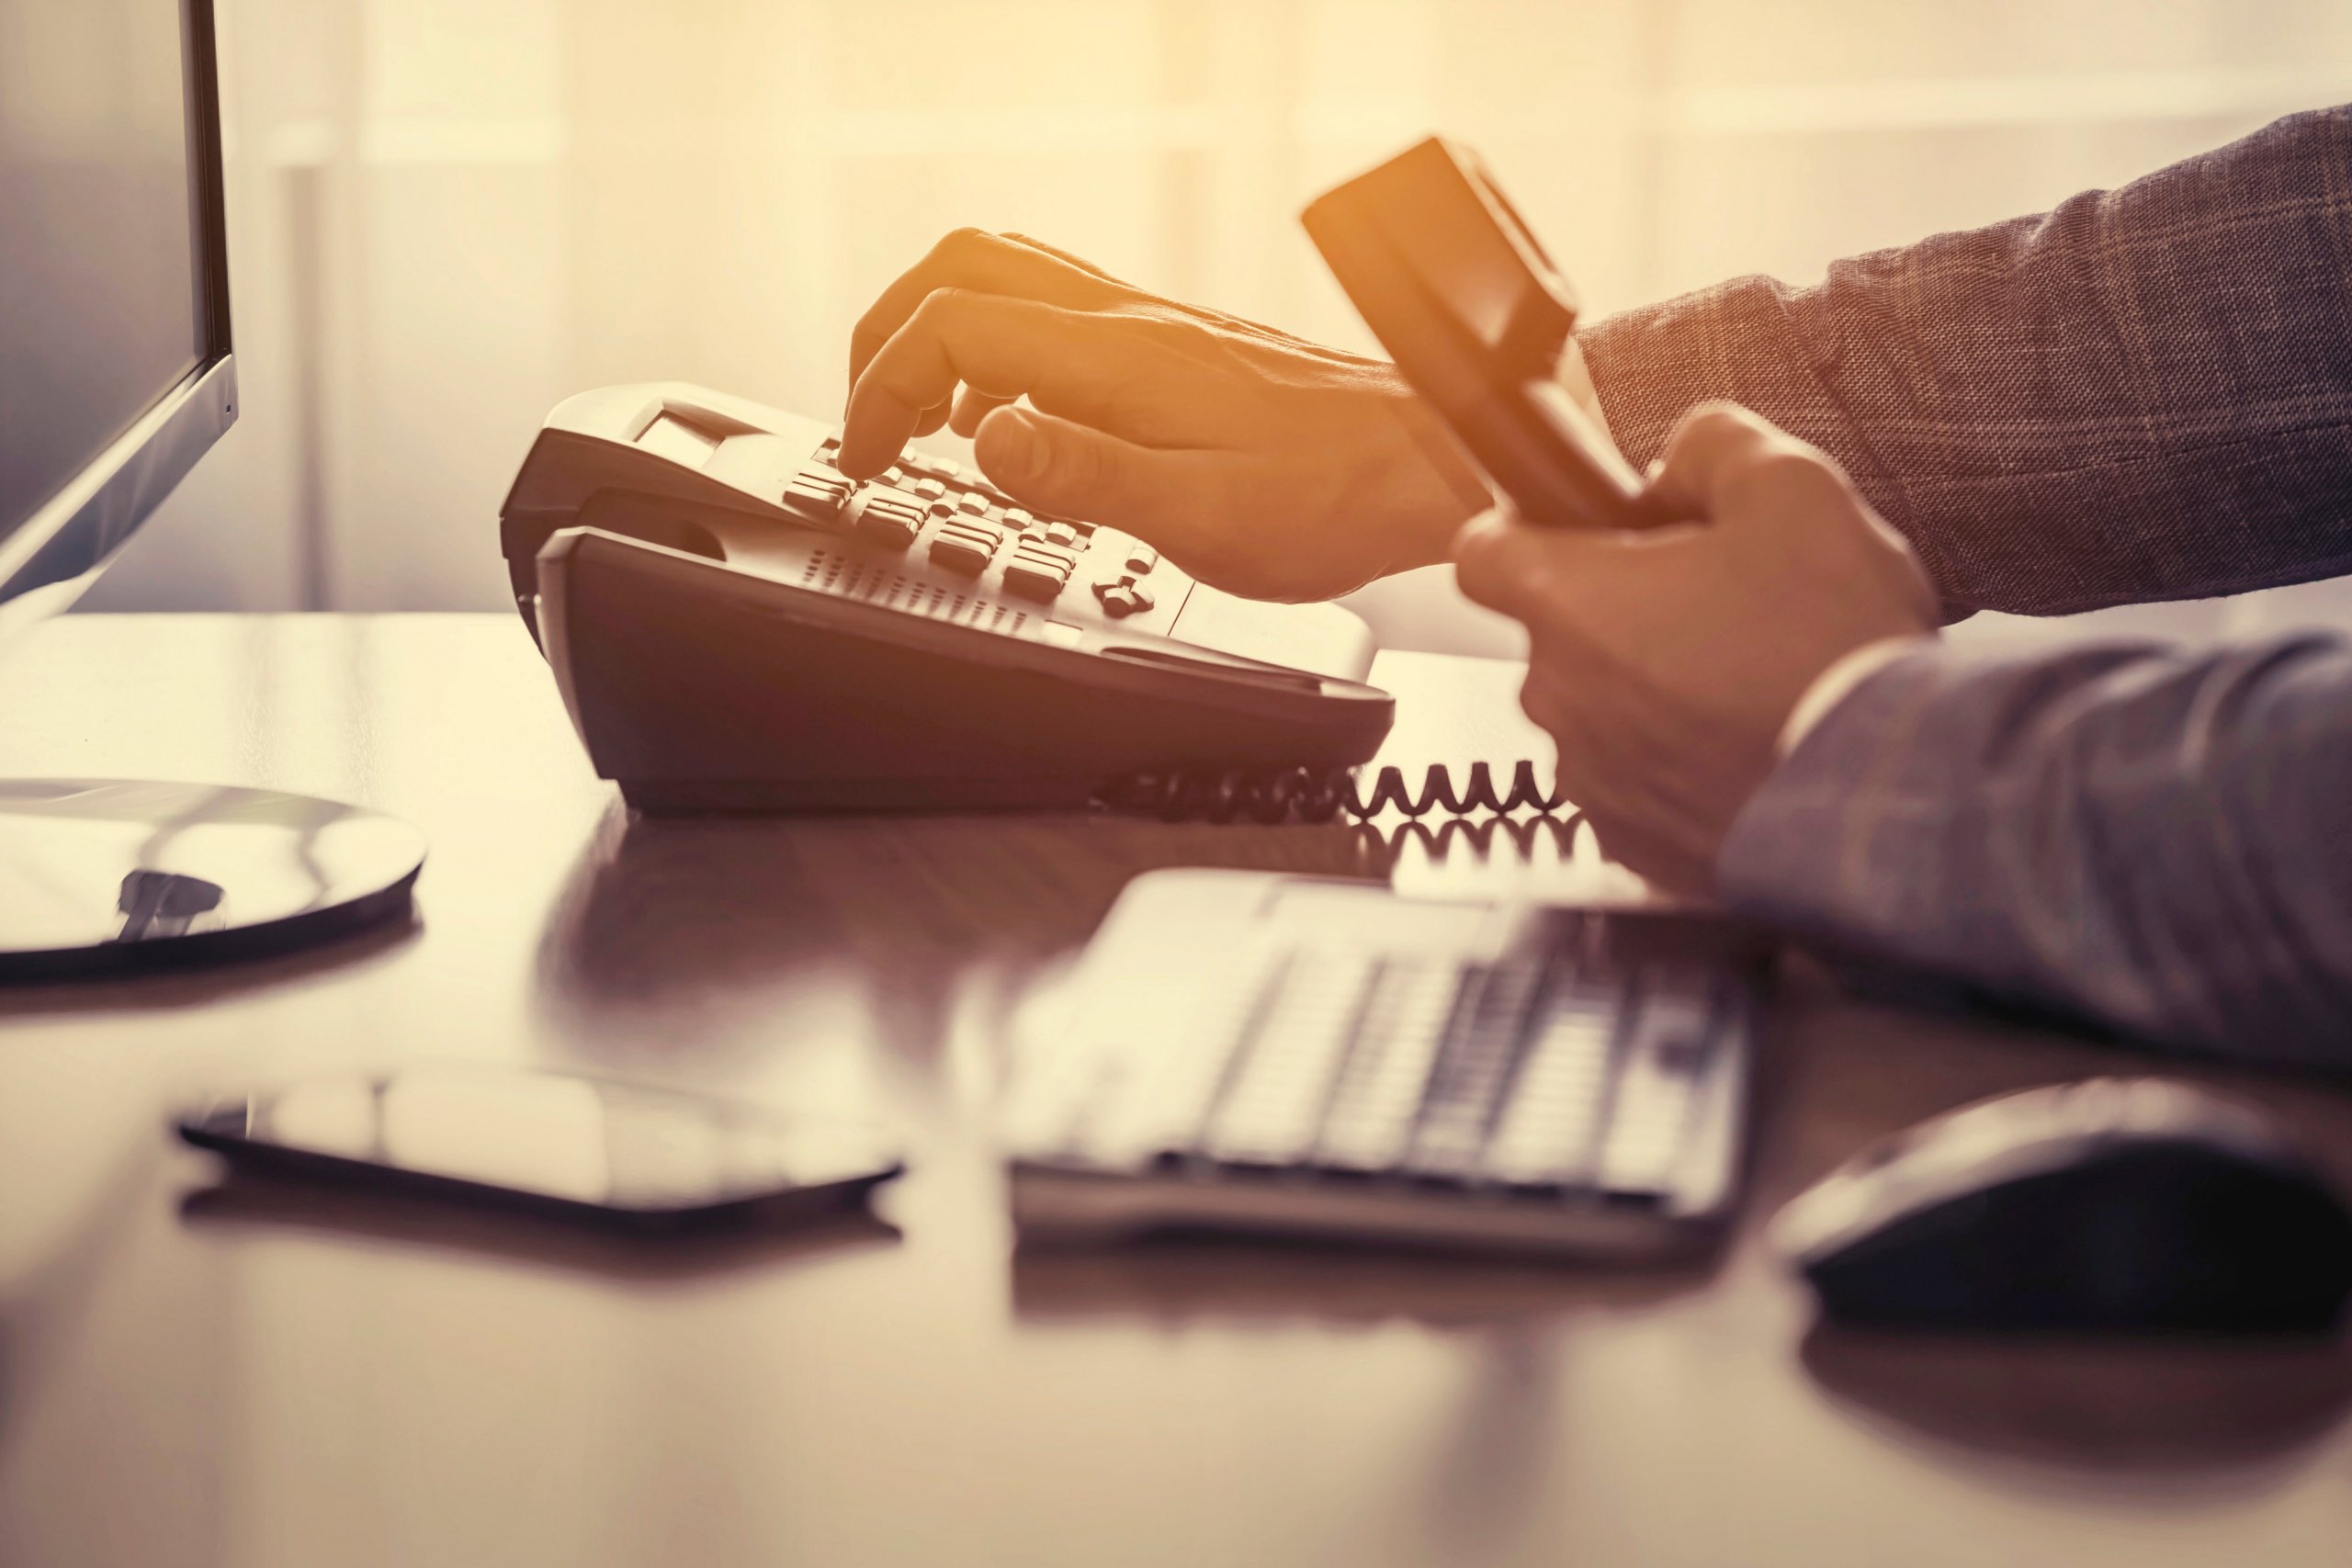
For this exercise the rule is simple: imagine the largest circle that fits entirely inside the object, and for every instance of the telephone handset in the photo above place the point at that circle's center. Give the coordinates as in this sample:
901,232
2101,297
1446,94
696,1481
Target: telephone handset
737,626
1461,293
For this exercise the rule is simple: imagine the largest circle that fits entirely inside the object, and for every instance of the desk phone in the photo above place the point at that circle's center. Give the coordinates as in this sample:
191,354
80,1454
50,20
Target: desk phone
736,626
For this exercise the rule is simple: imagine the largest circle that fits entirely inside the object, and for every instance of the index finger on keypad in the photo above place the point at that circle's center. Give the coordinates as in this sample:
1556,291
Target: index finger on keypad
1002,346
988,263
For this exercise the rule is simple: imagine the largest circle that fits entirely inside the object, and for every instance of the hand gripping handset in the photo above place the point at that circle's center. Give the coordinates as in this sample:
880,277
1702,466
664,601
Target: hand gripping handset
1477,317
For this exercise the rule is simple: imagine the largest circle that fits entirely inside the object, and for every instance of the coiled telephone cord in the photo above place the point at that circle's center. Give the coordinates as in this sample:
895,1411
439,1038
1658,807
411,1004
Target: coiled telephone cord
1301,794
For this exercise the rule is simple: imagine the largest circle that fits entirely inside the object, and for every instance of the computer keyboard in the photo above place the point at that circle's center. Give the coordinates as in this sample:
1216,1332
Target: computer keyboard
1293,1055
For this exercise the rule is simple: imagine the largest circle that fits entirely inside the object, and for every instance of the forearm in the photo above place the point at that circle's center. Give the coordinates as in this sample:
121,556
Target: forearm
2157,840
2143,394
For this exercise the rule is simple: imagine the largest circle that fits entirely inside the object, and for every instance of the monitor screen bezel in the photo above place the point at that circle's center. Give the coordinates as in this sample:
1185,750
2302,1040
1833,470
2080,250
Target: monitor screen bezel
57,552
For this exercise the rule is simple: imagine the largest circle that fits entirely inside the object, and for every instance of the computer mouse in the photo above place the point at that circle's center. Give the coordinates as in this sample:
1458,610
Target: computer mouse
2111,1206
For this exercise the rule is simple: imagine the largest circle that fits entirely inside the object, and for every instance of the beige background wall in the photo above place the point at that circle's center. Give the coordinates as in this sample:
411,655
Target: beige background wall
448,214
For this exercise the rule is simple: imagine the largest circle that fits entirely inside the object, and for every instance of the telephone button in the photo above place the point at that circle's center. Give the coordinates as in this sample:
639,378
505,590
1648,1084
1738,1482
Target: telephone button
1034,579
888,518
1038,571
1123,599
1141,559
815,496
1065,560
965,547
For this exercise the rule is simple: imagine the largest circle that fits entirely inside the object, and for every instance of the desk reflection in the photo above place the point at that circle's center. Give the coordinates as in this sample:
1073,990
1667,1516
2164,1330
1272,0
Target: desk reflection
1240,1279
769,921
2182,1410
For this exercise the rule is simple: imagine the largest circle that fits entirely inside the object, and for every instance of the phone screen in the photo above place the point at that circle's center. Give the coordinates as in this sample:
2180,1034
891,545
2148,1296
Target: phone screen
552,1136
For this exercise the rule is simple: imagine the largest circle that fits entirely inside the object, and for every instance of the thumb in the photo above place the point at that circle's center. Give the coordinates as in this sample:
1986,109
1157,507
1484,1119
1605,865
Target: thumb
1058,465
1503,563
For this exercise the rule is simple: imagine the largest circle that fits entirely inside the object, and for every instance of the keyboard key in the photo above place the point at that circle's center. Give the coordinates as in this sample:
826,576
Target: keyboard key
1665,1044
1466,1087
1548,1132
1286,1065
1377,1101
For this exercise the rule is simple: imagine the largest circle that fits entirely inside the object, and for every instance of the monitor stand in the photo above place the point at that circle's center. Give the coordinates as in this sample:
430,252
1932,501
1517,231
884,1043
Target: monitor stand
105,875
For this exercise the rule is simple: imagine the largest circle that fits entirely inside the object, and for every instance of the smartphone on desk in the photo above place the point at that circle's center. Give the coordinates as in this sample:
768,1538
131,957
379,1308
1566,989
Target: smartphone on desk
628,1156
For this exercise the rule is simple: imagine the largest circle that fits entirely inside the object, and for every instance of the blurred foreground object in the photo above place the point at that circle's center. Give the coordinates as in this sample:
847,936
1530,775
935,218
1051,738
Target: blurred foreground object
2111,1205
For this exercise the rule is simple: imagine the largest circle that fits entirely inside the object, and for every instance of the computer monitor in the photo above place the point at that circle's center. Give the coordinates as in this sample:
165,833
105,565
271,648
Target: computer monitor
115,378
116,373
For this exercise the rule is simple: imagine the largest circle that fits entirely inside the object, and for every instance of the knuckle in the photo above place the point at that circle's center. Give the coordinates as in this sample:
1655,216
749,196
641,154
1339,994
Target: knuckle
1791,473
1474,566
959,241
937,312
863,339
940,302
1541,699
1714,422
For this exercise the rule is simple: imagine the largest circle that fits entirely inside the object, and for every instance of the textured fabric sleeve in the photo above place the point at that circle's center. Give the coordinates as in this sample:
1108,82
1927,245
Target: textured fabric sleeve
2158,840
2143,394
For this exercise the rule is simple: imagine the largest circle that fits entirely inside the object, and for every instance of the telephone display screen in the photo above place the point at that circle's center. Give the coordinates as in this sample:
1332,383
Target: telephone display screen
549,1135
671,437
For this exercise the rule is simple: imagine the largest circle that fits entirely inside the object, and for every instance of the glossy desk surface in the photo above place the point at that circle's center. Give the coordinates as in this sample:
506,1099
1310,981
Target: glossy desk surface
241,1376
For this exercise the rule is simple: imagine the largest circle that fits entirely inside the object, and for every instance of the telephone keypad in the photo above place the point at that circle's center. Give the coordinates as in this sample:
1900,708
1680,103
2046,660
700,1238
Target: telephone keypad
963,526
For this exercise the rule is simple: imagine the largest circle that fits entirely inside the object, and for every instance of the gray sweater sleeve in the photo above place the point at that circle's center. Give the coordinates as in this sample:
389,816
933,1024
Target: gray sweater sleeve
2158,840
2143,394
